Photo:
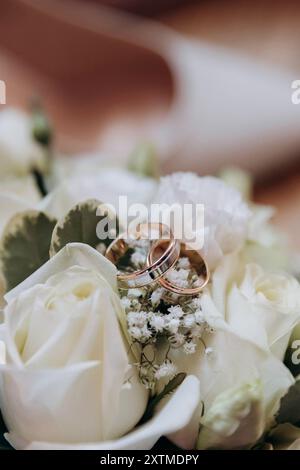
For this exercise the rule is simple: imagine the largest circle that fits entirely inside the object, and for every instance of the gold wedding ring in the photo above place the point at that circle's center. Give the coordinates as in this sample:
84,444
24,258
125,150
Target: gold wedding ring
152,271
196,261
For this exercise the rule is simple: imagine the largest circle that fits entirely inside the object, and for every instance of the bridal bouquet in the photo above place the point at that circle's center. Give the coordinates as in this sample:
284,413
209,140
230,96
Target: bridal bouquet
86,363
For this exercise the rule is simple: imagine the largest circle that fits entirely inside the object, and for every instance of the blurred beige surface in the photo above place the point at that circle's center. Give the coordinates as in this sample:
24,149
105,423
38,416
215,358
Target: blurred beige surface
269,31
284,194
264,30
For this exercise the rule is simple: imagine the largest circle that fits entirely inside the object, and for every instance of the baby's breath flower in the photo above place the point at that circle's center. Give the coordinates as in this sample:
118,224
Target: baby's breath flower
148,384
172,324
195,303
135,304
199,317
183,274
175,311
135,293
189,321
156,296
131,318
146,333
137,318
135,332
157,322
177,340
197,331
146,377
209,329
189,348
138,259
141,244
183,263
196,281
144,369
208,351
126,303
179,319
178,277
167,369
140,333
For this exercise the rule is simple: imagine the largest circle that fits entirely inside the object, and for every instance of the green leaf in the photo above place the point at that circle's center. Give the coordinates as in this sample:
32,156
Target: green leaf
25,245
80,225
289,411
144,162
168,389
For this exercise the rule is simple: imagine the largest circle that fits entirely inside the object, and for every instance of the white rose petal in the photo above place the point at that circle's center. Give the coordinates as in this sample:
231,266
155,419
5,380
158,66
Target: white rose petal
260,305
235,419
77,165
175,414
66,356
19,153
23,188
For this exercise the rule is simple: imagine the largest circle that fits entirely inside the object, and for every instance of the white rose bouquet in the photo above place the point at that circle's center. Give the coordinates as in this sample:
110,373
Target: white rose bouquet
86,364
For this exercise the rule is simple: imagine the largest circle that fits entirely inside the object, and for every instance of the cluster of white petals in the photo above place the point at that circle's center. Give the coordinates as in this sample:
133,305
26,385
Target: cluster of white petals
226,215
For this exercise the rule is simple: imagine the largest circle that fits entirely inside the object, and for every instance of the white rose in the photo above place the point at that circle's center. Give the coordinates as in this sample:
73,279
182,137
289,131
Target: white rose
68,381
266,245
19,153
23,188
260,305
106,185
225,213
252,314
63,339
235,419
241,386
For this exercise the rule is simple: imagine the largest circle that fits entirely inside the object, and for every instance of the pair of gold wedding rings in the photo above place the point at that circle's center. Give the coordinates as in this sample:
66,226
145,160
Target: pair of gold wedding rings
163,254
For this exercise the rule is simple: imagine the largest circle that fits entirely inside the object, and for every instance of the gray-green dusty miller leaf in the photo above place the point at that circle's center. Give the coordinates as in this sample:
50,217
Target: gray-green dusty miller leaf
25,245
80,225
289,411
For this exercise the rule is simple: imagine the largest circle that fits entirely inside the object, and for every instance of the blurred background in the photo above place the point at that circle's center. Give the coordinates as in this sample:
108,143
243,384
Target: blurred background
207,82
